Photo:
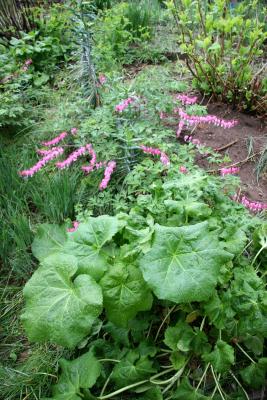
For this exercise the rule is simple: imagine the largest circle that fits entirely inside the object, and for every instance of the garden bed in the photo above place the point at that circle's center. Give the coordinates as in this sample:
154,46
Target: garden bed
244,143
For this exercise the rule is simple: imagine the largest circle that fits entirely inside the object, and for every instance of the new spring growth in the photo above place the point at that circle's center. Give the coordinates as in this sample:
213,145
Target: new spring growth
156,152
74,156
41,163
123,104
229,171
186,100
56,140
107,174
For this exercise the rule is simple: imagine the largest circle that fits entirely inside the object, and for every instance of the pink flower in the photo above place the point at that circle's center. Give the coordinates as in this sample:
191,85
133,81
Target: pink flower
73,131
28,62
156,152
90,168
231,170
180,128
186,100
44,152
75,226
41,163
107,174
102,79
251,205
208,119
183,169
56,140
124,104
74,156
92,165
196,142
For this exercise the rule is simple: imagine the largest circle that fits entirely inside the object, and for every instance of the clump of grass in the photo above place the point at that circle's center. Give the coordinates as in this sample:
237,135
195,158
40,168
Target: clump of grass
261,166
26,370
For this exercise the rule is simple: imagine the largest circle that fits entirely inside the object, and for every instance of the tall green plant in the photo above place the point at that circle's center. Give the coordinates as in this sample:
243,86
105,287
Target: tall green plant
223,46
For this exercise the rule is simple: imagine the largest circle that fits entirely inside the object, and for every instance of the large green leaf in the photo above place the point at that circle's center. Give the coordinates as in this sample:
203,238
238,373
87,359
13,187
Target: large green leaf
58,309
79,373
255,374
49,239
183,264
87,242
125,293
222,357
132,368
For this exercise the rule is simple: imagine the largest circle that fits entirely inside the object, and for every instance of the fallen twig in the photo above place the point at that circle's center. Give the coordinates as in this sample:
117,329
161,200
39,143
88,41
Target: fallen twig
227,145
237,163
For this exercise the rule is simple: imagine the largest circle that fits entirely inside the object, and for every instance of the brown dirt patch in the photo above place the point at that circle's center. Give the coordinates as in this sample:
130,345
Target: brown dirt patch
248,128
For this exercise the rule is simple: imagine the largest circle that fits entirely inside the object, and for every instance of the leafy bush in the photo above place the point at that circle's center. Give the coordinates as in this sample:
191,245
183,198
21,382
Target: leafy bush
30,62
223,47
120,31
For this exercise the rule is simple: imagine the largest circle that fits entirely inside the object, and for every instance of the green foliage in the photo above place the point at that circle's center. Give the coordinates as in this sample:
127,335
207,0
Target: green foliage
215,301
121,32
222,45
57,308
183,264
79,373
45,48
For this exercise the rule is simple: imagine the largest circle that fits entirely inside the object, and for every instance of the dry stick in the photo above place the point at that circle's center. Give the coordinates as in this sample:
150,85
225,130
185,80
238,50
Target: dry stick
227,145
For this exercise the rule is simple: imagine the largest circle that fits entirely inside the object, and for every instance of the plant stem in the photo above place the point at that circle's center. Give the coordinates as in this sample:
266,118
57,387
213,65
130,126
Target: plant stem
245,353
256,256
163,322
217,383
203,376
239,384
108,396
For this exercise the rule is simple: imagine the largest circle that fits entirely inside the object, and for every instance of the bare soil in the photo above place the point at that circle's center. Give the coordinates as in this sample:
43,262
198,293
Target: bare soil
249,128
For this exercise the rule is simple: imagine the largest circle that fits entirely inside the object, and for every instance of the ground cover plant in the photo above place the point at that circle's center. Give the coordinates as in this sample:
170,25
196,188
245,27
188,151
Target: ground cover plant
128,272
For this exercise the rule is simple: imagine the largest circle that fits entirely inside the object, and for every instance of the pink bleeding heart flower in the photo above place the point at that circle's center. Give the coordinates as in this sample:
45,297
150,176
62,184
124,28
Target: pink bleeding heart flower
107,174
41,163
56,140
183,169
75,226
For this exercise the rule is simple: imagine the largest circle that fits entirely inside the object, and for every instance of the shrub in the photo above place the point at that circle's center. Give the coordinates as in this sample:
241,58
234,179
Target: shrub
223,46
